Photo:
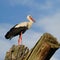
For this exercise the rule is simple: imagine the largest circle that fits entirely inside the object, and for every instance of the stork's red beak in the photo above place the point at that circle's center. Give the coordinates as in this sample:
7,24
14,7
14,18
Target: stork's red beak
32,19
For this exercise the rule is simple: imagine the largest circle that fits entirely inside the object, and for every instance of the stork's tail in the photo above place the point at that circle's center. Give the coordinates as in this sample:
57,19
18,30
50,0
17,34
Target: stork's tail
8,36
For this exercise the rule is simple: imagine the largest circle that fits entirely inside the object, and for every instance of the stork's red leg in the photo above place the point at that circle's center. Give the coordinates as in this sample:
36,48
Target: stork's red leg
20,39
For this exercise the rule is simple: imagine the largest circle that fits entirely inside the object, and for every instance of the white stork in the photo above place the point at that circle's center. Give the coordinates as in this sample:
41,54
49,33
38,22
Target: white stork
19,29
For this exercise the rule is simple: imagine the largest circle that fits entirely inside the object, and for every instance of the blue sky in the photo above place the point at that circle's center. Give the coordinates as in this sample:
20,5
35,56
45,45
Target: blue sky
45,12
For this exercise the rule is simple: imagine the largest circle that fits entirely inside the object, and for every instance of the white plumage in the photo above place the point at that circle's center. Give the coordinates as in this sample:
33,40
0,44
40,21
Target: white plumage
21,24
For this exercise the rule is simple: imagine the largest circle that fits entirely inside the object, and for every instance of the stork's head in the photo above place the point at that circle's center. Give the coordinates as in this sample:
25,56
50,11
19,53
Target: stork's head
29,17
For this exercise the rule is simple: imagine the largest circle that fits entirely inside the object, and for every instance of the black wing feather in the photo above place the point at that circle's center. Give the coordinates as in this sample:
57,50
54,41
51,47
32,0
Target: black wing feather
15,31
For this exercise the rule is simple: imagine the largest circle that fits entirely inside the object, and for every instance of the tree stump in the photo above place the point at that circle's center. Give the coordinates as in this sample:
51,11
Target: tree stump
17,52
43,49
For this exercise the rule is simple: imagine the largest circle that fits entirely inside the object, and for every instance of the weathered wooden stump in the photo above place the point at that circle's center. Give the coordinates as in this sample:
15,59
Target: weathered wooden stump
18,52
43,50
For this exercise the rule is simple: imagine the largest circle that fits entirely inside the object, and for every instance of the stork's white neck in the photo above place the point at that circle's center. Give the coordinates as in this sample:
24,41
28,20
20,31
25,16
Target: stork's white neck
29,24
30,21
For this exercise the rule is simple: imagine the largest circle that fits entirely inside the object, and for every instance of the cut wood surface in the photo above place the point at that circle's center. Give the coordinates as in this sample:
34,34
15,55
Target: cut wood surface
43,49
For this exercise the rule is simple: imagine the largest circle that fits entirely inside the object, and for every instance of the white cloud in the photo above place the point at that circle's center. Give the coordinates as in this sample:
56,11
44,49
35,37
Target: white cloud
30,38
37,8
48,4
53,58
4,44
31,4
51,24
21,2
